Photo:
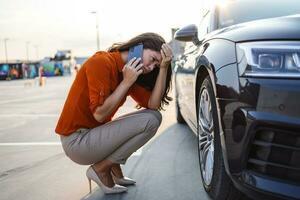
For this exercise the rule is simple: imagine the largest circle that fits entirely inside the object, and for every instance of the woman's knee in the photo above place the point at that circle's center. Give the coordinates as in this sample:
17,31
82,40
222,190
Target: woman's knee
154,120
157,116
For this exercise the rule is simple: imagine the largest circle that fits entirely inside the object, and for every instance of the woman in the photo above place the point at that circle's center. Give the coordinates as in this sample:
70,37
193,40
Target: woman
88,135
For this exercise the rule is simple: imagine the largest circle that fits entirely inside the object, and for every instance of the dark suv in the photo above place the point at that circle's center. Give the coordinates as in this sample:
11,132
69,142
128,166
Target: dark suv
238,89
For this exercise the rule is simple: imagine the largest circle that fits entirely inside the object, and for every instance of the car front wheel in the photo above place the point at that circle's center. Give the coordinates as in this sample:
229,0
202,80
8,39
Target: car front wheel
214,178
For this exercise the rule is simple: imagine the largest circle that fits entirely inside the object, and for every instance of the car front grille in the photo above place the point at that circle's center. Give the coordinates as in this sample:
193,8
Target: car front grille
276,152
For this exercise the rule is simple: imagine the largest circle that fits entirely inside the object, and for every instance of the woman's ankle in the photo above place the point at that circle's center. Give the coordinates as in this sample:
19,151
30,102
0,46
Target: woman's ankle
103,166
103,169
117,170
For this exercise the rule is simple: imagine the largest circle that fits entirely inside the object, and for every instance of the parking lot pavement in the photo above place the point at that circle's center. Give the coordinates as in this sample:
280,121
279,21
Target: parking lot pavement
33,165
166,169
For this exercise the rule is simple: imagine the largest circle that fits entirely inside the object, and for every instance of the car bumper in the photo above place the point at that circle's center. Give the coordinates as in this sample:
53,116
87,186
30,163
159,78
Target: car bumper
262,137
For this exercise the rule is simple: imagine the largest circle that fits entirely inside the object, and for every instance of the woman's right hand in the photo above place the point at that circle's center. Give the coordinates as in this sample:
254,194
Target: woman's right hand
131,71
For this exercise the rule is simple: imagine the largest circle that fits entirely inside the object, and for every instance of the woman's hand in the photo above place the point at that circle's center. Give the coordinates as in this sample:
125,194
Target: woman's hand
131,71
167,55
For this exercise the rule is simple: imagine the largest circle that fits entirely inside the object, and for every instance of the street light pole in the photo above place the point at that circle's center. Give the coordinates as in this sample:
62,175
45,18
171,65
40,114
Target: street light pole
27,50
5,48
97,29
37,51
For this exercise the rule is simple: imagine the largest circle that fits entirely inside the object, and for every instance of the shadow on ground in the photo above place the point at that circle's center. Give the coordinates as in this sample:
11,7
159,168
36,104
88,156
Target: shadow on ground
167,169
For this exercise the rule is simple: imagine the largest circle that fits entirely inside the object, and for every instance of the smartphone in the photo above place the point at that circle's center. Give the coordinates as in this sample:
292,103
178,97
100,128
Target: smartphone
136,51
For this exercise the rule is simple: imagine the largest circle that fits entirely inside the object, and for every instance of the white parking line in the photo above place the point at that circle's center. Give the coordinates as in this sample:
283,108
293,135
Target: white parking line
29,115
27,98
137,153
30,144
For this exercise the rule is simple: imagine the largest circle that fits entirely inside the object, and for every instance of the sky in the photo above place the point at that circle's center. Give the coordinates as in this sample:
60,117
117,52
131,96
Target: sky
45,26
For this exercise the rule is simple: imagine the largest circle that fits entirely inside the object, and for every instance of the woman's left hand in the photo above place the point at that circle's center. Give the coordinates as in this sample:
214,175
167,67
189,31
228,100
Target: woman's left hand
167,55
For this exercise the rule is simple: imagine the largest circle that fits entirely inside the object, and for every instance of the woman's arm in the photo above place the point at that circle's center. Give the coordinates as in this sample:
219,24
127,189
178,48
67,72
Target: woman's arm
130,74
159,89
160,84
111,102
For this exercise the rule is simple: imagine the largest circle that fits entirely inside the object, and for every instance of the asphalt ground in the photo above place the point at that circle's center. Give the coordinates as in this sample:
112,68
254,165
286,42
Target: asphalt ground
33,165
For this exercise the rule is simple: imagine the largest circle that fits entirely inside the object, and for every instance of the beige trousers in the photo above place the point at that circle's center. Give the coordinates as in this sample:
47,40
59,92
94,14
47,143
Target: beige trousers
115,140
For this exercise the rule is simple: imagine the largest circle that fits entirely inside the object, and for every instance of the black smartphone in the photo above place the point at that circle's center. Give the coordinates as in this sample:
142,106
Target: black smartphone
136,51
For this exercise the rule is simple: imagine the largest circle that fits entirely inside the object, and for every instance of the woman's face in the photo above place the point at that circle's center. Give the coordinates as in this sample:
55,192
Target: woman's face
151,60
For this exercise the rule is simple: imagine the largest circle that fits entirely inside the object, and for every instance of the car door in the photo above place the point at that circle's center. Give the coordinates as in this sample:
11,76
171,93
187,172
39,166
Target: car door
186,83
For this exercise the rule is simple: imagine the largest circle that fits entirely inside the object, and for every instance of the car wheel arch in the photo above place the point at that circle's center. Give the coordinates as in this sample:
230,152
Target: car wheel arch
202,71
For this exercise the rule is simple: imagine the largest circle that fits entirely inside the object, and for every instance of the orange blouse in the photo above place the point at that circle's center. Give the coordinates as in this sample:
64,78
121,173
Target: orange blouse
96,80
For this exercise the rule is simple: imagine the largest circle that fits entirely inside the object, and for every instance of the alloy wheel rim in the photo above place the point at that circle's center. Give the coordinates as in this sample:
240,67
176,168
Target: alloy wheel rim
206,137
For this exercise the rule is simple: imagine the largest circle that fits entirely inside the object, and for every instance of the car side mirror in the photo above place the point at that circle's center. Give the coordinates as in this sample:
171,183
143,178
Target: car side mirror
188,34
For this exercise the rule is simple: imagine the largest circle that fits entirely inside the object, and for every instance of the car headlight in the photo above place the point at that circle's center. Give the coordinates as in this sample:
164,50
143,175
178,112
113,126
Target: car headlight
269,59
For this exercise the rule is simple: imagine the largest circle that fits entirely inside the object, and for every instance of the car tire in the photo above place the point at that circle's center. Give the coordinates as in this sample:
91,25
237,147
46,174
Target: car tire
214,177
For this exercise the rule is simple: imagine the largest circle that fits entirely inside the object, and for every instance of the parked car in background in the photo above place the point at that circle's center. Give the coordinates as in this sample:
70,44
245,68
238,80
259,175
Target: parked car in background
238,89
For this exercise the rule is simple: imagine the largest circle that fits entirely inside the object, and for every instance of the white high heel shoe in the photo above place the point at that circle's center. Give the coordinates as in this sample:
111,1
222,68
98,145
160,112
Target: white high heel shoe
123,181
91,175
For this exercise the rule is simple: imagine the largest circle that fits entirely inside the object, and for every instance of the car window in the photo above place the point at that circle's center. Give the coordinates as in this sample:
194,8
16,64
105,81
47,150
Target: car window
248,10
203,27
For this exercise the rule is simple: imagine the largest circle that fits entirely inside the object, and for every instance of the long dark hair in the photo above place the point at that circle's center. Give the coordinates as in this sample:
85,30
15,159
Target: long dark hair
153,42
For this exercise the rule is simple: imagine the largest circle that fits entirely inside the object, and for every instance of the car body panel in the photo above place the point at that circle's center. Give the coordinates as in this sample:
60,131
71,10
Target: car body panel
266,29
247,105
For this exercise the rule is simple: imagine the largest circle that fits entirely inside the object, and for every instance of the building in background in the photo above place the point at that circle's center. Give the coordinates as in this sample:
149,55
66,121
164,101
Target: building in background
59,65
18,69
